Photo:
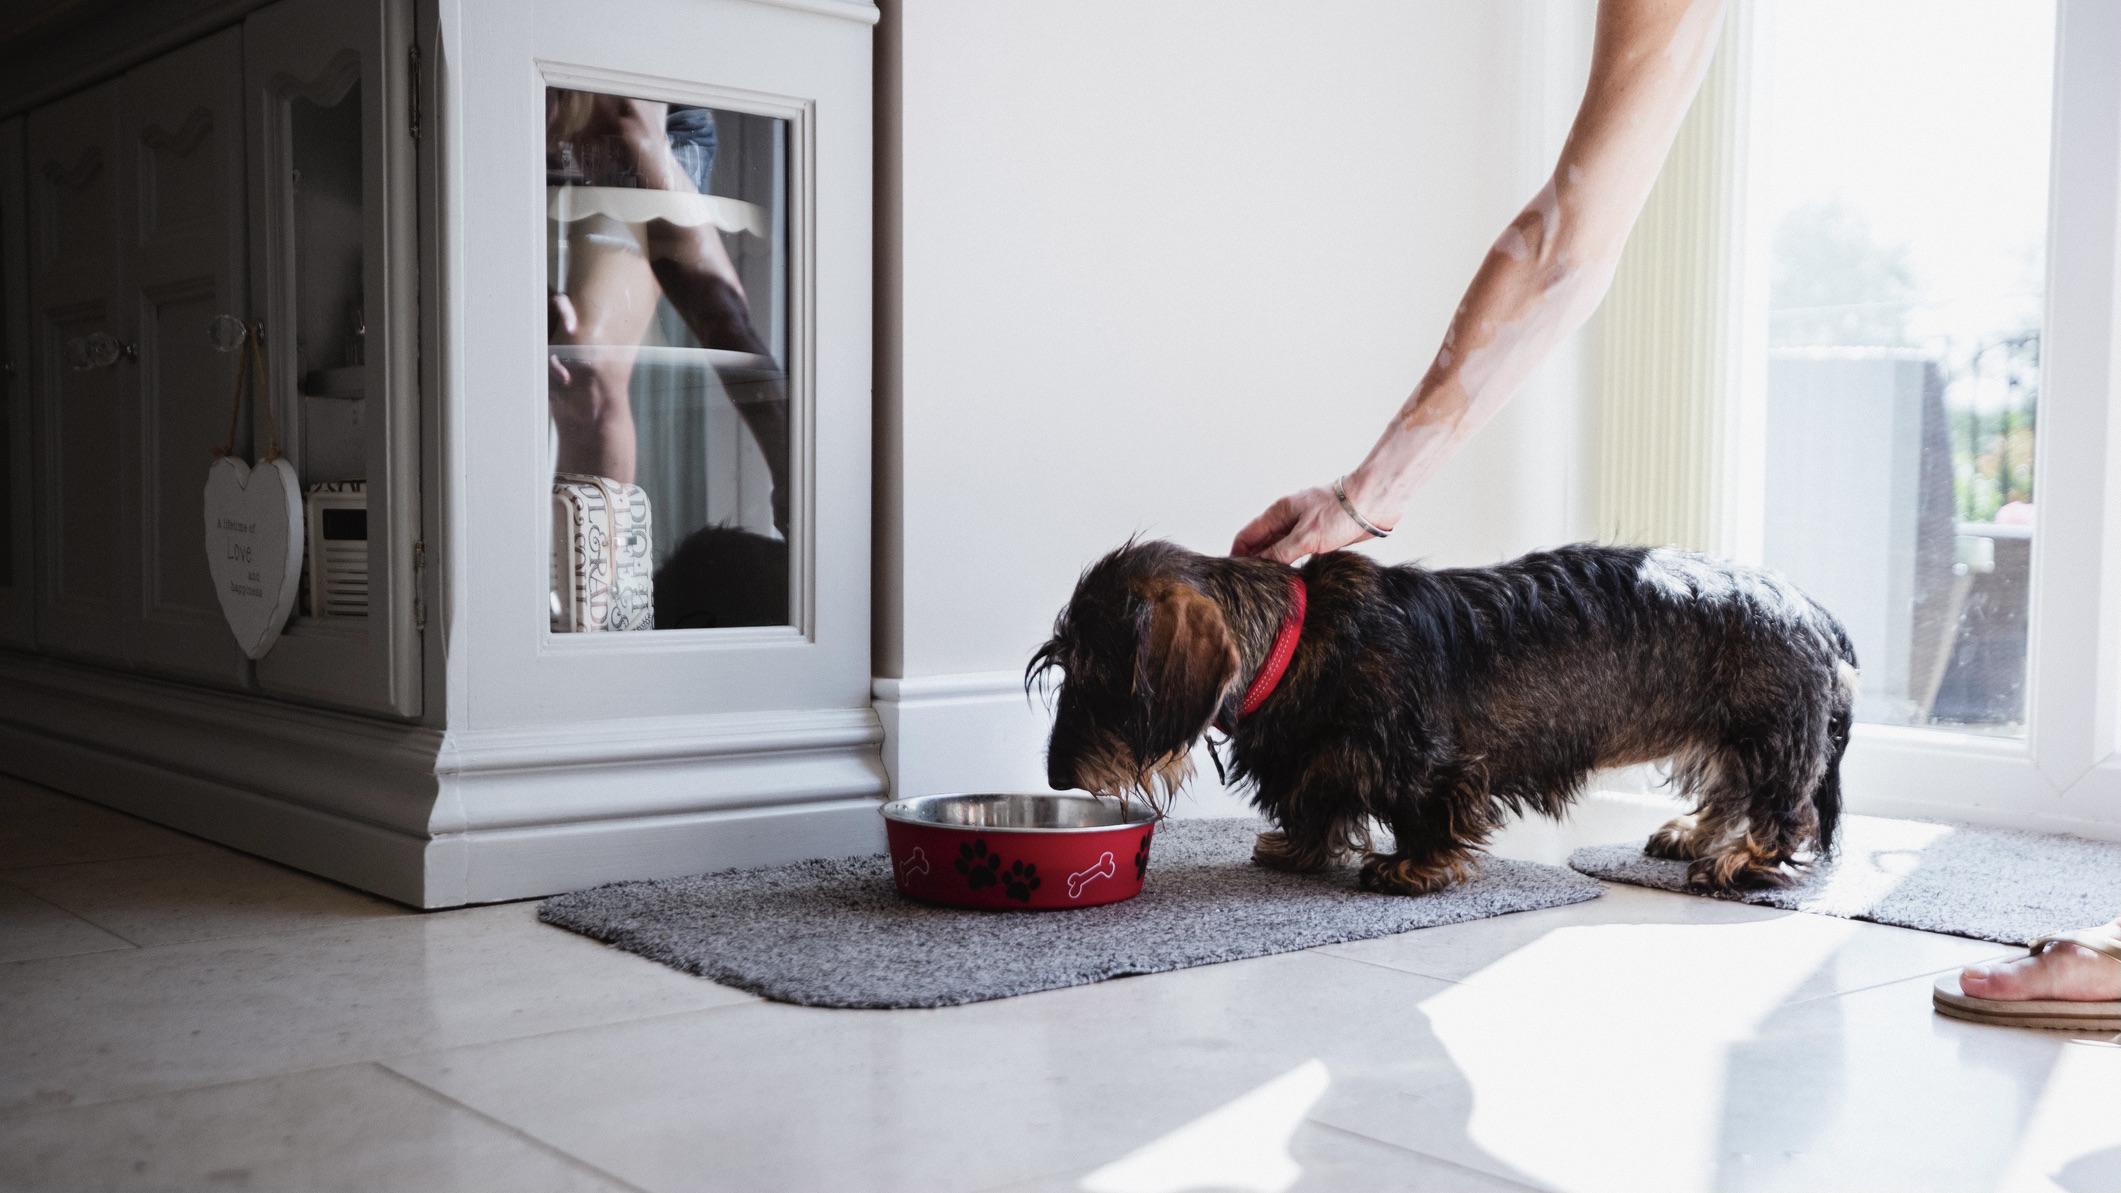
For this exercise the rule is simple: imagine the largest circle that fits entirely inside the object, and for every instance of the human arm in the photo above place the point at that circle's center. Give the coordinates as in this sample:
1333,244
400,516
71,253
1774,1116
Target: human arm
1540,280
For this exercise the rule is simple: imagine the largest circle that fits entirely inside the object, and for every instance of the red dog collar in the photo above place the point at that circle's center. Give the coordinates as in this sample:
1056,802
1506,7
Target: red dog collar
1277,661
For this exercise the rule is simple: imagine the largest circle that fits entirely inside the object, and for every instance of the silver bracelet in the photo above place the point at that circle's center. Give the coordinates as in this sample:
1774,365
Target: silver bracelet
1341,494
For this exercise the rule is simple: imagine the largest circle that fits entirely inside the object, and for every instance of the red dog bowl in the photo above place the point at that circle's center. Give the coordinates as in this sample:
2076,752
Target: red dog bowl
1018,851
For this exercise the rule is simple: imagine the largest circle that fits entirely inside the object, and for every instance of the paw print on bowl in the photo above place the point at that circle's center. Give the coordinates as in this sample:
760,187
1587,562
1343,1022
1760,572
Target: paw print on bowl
978,864
1020,880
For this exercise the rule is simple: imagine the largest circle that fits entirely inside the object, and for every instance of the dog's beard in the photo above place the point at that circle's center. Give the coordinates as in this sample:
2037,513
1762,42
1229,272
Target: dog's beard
1110,770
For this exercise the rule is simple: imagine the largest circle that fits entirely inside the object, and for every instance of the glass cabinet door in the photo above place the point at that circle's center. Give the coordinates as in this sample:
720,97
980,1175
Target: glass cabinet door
667,323
333,258
661,314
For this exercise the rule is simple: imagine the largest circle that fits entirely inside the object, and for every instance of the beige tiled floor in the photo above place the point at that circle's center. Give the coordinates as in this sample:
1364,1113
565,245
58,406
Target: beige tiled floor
177,1016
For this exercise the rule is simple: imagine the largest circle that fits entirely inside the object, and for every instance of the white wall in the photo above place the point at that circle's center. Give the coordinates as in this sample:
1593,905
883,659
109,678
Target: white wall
1146,267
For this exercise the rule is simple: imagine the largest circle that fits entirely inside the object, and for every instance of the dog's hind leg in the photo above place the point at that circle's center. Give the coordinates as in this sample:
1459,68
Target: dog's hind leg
1755,814
1698,771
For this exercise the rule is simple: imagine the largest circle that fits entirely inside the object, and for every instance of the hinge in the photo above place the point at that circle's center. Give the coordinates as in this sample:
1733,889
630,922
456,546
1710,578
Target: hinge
419,586
412,92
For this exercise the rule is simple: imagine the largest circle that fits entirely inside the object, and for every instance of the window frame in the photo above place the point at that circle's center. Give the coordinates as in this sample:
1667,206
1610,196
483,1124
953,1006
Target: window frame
2065,773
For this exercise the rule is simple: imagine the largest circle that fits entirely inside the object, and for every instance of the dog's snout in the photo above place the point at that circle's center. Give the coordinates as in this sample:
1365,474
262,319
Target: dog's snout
1059,775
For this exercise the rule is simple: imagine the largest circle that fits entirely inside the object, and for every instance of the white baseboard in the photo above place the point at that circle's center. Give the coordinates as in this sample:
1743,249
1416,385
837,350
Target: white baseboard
493,865
435,818
969,732
388,861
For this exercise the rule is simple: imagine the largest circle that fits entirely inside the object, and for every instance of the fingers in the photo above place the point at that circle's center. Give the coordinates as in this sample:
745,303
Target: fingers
1288,550
1256,534
1265,530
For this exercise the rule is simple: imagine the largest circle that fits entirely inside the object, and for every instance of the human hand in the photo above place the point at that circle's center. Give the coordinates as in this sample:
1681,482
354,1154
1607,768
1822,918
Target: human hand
560,326
1305,523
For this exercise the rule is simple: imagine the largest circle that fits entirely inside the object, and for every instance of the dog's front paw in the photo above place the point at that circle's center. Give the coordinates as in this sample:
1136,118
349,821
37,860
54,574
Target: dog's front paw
1737,870
1275,851
1391,874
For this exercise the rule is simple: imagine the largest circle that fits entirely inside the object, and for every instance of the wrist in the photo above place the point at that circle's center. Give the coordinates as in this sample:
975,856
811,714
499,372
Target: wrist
1372,497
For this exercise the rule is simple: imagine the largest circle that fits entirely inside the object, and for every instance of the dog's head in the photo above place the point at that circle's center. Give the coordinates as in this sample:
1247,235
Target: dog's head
1146,658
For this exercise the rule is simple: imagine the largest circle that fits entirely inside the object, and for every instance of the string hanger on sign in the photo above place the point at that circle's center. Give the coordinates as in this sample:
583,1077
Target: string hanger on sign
251,336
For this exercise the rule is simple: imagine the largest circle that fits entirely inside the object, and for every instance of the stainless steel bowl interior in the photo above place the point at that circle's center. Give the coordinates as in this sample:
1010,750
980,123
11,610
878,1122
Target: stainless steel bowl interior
1021,813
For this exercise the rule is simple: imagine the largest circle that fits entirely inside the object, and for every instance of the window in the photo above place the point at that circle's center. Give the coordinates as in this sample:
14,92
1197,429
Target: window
1901,177
1866,332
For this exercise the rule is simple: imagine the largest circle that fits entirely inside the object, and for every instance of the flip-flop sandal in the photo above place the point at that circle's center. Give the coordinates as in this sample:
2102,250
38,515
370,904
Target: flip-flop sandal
2054,1013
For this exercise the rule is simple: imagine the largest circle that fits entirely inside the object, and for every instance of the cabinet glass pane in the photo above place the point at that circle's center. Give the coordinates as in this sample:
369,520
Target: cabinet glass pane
666,384
1906,188
327,232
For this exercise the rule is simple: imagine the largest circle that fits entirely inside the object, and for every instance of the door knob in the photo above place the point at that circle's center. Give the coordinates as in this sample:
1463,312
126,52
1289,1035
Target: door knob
225,333
97,350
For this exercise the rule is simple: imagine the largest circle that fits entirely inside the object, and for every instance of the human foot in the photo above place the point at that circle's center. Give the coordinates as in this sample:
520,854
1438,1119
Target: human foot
2062,971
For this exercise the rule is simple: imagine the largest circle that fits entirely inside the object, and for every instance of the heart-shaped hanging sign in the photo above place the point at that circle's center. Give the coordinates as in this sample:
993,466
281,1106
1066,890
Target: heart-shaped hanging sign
254,546
253,515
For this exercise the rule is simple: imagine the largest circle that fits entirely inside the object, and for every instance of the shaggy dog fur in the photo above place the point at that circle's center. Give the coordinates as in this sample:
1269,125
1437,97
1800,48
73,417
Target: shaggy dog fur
1434,703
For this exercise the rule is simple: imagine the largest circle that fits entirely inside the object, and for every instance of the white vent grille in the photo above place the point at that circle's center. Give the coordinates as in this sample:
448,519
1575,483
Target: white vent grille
337,548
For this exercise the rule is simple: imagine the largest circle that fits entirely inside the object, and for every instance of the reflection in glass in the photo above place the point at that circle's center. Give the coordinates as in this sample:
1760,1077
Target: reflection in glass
666,380
1908,207
325,254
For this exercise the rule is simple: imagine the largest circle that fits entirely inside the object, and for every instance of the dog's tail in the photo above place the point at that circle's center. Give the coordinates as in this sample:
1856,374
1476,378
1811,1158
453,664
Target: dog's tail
1826,797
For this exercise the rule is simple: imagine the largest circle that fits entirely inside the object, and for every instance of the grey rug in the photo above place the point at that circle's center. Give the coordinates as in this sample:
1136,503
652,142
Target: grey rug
1986,883
836,934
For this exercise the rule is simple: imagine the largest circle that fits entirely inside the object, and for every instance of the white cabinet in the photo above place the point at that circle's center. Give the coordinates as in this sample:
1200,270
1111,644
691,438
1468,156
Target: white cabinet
765,710
569,331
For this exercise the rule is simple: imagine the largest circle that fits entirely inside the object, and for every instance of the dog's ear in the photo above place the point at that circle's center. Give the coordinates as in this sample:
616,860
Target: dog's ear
1187,658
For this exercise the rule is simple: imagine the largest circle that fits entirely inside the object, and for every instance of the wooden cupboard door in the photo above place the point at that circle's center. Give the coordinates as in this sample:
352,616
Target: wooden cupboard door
81,383
183,132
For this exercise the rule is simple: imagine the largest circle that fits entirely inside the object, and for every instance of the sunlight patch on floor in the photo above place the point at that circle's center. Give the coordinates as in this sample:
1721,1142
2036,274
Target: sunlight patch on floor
1242,1144
1516,1031
2076,1105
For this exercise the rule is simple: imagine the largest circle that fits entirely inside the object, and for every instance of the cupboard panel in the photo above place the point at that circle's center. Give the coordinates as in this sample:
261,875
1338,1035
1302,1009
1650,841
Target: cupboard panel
183,126
80,379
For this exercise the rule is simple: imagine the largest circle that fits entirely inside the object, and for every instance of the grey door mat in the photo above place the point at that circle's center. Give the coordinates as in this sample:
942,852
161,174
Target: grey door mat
1987,883
835,933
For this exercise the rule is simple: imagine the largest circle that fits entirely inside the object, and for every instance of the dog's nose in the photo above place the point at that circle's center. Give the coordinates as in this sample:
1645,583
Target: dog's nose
1059,777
